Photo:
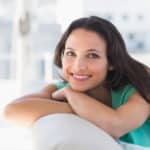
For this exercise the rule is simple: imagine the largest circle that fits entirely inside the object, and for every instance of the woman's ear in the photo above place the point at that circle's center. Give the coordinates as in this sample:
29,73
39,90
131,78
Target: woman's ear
110,68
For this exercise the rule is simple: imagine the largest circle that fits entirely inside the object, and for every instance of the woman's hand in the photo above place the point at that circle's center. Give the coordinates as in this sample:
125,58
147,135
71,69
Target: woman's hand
61,94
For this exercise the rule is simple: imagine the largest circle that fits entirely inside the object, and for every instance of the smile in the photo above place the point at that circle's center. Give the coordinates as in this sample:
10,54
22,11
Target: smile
80,77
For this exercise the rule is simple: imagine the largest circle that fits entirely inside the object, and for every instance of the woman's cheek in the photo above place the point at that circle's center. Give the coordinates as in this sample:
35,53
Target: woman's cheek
66,71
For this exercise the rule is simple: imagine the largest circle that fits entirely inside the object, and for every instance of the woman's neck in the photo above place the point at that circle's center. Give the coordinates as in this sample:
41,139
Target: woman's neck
102,94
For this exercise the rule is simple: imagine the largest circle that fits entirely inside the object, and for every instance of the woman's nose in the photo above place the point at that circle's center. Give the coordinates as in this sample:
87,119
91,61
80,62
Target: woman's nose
80,64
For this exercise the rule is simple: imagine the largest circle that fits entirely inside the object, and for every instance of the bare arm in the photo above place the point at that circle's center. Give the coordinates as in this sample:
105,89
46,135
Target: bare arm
115,122
27,109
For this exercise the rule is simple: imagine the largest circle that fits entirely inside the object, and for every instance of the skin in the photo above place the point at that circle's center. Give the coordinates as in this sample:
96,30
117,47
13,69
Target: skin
85,67
85,61
27,109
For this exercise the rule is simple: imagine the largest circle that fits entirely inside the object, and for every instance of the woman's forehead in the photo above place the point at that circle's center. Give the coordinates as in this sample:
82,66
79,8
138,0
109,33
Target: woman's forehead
85,39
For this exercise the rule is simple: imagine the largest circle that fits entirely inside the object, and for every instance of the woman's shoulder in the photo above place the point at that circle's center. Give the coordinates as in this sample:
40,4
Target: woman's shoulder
120,96
126,90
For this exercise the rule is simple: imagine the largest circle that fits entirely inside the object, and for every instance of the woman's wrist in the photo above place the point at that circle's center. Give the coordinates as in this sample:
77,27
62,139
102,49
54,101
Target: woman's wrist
69,92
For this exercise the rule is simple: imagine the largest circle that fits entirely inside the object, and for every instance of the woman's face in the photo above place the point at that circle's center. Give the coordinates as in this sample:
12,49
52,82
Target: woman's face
84,62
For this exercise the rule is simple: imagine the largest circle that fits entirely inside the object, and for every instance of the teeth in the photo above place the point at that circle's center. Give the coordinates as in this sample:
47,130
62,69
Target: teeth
80,76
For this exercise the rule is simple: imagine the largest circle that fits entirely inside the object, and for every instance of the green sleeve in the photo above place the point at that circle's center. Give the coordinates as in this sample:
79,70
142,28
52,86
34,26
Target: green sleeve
60,85
120,97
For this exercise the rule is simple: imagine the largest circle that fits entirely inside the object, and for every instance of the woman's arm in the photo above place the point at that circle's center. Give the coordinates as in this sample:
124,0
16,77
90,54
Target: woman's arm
27,109
115,122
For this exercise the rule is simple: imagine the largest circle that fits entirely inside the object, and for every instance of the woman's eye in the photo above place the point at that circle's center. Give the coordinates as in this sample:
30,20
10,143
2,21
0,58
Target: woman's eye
93,55
69,53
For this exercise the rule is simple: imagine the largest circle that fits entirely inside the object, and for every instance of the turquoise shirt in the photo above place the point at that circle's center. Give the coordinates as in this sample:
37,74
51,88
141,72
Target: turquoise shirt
139,136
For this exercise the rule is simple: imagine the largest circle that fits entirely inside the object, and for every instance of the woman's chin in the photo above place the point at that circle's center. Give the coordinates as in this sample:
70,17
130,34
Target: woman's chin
80,89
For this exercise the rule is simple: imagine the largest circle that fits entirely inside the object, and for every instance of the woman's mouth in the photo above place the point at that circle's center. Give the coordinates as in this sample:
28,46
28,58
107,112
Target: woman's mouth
80,77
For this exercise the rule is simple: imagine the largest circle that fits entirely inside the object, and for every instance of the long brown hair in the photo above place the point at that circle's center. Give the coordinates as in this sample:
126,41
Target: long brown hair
126,70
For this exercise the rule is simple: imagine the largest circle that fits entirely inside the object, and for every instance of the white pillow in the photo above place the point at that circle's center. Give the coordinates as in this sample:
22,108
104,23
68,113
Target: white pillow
70,132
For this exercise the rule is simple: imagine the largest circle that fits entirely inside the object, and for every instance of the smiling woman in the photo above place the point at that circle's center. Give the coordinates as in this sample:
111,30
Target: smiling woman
85,62
105,92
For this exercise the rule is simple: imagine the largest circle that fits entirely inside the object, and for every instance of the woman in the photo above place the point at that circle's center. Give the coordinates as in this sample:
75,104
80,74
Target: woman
102,85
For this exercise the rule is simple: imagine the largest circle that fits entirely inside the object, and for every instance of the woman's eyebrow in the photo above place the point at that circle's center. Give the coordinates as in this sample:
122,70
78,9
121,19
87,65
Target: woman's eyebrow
70,48
88,50
93,50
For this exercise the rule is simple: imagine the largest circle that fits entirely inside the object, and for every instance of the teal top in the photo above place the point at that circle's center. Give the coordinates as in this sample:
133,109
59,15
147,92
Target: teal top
139,136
